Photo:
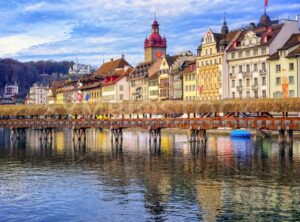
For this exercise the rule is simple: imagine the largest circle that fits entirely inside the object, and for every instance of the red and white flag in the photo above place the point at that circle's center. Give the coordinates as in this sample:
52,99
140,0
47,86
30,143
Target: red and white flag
266,3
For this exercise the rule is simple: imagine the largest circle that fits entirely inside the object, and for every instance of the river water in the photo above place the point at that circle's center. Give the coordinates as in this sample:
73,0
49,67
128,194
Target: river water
233,180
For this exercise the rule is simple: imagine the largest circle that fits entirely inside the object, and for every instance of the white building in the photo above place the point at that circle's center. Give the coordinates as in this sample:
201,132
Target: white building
247,74
79,69
38,94
10,90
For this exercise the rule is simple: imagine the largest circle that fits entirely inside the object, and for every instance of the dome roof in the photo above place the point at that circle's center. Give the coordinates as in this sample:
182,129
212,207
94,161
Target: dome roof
224,29
265,19
155,39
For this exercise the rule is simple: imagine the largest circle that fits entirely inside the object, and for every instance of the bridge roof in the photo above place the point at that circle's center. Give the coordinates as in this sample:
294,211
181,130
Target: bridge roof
163,107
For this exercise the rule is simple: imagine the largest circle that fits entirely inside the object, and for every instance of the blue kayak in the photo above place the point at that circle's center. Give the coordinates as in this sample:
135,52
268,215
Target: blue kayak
240,133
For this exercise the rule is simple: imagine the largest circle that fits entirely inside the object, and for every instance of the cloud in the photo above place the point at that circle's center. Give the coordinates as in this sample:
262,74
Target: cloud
64,29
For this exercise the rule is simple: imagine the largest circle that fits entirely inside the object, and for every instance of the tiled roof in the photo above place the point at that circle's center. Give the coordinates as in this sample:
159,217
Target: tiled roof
271,32
91,86
171,59
275,56
294,53
110,67
293,41
141,70
115,80
154,68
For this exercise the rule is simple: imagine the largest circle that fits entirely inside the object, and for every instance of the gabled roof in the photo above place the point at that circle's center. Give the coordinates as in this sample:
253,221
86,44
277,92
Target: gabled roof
294,53
110,67
171,59
141,70
115,80
154,68
271,32
293,41
275,56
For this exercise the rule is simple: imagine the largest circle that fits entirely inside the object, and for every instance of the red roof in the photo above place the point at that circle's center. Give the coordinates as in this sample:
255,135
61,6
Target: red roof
267,34
155,39
113,79
110,67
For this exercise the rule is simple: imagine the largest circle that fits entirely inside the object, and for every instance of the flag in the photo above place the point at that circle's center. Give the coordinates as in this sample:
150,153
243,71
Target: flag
266,3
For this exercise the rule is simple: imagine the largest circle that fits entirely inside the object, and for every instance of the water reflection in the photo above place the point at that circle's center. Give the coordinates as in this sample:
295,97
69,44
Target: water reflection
229,179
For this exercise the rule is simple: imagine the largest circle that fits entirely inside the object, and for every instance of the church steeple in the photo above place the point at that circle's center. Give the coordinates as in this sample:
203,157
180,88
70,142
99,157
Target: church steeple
224,32
224,29
265,18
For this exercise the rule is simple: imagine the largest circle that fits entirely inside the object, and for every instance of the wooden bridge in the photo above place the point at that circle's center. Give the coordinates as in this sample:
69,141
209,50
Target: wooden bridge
267,114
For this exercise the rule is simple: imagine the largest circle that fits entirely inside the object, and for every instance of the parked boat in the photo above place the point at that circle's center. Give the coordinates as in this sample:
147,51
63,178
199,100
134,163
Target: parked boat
240,133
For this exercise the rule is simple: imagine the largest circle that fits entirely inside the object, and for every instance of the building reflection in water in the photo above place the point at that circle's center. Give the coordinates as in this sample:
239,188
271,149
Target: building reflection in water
232,179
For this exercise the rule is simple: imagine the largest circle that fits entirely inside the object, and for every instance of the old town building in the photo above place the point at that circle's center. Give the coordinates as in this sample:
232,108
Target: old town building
284,69
153,74
248,71
90,88
154,48
210,62
115,87
164,79
37,94
190,81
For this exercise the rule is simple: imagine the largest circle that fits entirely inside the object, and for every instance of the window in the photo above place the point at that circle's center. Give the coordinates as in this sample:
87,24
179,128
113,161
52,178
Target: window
255,67
291,80
233,83
133,83
264,94
255,52
291,66
248,94
240,54
233,55
248,53
210,50
291,93
121,87
233,69
255,94
240,95
277,94
240,82
278,81
263,51
263,66
240,69
263,81
248,68
247,82
255,81
278,68
206,51
186,88
233,95
121,97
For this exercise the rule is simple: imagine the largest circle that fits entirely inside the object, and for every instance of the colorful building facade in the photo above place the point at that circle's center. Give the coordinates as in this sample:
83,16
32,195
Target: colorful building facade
284,70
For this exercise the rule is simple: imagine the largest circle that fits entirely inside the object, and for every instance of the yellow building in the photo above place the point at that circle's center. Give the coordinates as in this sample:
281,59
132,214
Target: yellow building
164,79
153,86
210,62
284,69
190,82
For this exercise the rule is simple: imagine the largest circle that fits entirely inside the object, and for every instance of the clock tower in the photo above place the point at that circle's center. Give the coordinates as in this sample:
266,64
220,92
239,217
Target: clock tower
155,46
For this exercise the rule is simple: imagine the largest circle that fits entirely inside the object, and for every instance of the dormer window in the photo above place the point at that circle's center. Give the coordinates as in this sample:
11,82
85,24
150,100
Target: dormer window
265,39
269,29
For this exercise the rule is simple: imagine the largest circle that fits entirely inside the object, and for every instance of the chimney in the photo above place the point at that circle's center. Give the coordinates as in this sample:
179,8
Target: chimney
111,59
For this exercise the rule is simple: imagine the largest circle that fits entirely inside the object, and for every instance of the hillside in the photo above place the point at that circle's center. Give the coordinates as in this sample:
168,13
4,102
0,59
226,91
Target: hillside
27,73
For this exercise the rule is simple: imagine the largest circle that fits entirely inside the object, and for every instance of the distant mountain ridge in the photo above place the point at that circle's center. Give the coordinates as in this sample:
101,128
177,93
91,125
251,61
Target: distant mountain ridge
27,73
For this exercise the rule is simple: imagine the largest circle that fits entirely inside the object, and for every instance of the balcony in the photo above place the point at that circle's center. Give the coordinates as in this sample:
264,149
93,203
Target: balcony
232,75
255,87
263,72
246,73
239,88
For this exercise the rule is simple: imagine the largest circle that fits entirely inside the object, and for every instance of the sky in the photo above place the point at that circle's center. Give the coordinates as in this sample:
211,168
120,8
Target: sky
93,30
